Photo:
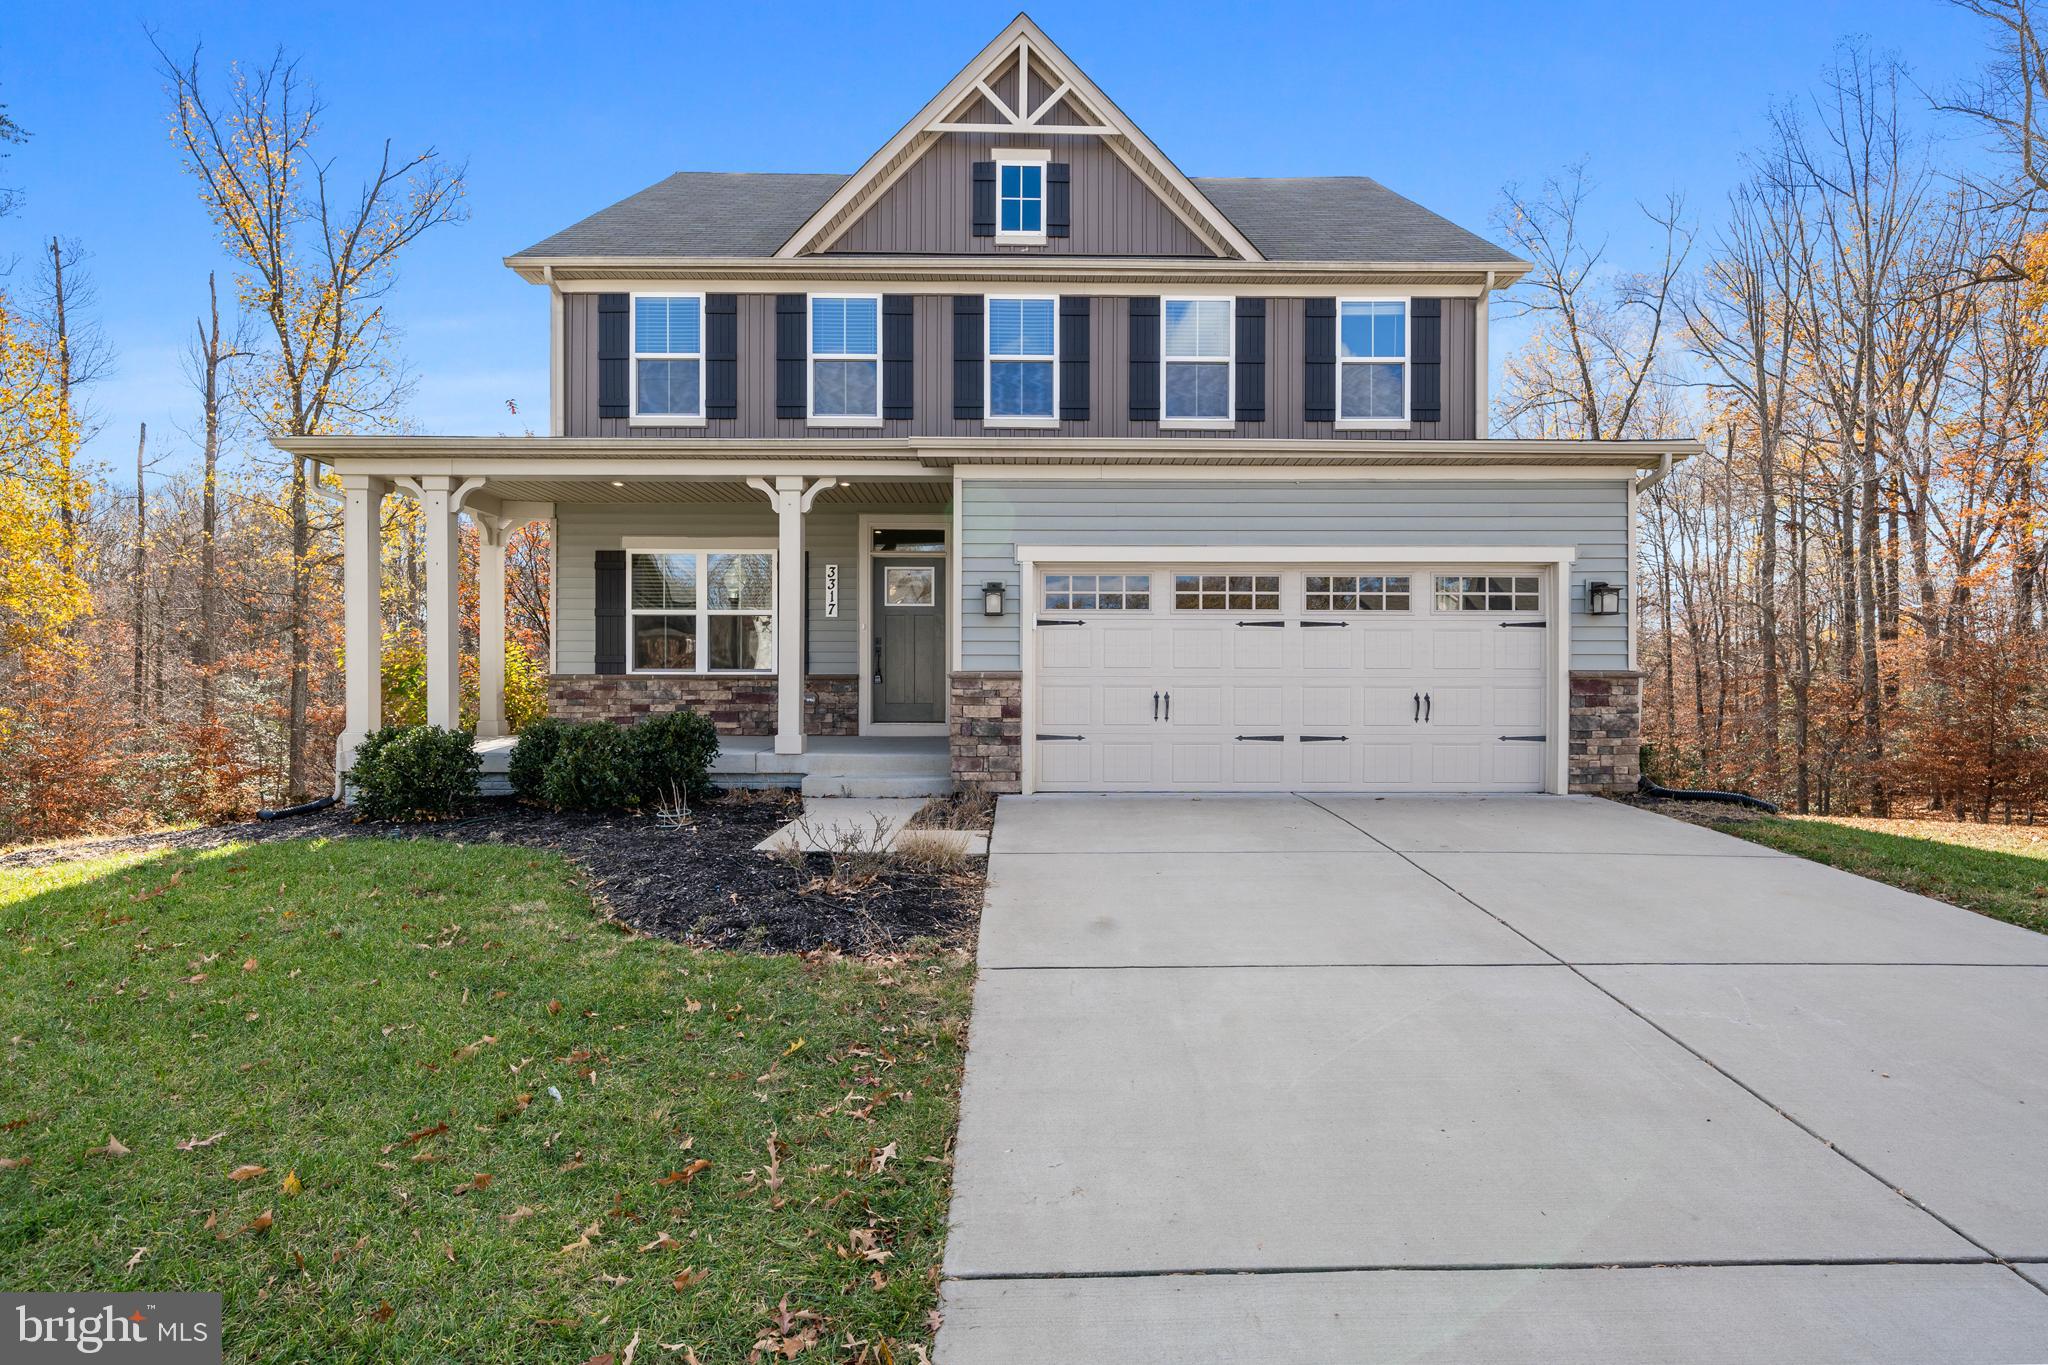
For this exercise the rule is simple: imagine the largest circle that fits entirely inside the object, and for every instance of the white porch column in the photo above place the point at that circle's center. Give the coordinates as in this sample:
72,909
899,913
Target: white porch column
444,636
789,614
362,586
791,500
490,626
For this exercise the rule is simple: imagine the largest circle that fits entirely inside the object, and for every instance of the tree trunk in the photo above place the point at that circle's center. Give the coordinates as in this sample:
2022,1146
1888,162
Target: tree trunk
139,581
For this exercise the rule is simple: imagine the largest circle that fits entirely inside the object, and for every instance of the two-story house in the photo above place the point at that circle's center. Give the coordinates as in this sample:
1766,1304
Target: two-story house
1023,450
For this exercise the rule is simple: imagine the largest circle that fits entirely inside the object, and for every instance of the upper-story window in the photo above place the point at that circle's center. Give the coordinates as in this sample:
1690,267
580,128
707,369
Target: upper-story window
1197,354
1022,376
1020,199
668,357
1372,360
846,357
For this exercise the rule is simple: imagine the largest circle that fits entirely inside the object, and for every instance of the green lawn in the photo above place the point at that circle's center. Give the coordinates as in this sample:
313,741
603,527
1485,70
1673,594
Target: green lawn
2008,886
382,1027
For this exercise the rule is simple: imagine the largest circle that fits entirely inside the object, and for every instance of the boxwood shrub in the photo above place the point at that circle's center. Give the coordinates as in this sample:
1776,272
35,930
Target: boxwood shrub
531,756
598,766
414,772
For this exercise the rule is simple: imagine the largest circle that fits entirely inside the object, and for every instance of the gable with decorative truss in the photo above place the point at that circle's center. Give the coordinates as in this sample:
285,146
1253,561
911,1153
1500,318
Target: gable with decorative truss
1020,96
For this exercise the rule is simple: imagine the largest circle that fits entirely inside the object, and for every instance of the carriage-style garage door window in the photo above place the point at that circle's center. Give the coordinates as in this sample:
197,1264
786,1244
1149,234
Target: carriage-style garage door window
701,611
1490,592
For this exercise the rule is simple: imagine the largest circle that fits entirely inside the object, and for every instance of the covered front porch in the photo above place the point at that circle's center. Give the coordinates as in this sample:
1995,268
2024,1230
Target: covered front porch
808,608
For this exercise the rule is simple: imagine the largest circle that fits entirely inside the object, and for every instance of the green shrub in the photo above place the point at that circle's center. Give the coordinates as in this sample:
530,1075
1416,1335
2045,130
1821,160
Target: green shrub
414,772
674,754
531,756
594,769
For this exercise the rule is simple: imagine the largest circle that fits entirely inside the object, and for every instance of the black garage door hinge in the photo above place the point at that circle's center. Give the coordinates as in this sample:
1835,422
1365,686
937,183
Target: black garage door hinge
1044,622
1527,739
1071,737
1276,625
1262,739
1523,625
1324,739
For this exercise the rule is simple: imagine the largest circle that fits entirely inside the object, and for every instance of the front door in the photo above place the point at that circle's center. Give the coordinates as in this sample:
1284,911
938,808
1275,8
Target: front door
909,663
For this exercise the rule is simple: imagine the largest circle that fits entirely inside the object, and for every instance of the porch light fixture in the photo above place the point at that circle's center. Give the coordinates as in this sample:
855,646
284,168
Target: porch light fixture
1603,599
992,598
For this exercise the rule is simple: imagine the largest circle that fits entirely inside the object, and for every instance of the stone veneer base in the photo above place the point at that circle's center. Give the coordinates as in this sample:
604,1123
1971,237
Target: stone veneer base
985,729
736,704
1607,731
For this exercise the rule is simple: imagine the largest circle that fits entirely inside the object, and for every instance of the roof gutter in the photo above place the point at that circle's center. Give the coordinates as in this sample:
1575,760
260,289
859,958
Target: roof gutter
556,269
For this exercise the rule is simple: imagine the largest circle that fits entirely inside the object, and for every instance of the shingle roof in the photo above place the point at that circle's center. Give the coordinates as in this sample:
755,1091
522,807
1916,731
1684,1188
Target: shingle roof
1341,218
1320,218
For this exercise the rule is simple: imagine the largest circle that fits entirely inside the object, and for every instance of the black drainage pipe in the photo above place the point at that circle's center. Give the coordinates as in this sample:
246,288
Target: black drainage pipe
306,808
1649,788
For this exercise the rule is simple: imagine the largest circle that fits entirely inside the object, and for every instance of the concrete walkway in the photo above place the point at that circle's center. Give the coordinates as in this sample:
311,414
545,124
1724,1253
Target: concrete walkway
1485,1080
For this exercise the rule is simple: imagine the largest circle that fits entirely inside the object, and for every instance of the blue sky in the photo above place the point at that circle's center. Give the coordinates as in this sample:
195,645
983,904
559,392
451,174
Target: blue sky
560,110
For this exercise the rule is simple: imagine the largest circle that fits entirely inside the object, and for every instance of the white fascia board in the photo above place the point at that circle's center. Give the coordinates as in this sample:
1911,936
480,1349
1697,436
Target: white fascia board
1296,554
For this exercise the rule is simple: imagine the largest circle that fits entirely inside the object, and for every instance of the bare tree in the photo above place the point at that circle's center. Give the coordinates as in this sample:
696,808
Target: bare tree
1600,333
316,267
212,355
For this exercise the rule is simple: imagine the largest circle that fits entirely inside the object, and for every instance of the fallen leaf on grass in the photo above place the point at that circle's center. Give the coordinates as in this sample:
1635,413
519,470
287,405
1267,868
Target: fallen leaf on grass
114,1147
479,1182
690,1278
16,1163
664,1242
793,1048
250,965
136,1259
193,1144
573,1163
293,1186
382,1312
601,1358
256,1226
410,1138
554,1007
685,1175
883,1158
631,1346
614,1280
469,1050
247,1172
582,1242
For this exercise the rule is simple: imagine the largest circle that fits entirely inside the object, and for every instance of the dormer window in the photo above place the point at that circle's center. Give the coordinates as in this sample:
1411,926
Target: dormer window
668,359
1020,196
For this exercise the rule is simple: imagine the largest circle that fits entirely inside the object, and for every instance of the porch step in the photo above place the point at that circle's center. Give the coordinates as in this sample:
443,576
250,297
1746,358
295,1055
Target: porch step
895,783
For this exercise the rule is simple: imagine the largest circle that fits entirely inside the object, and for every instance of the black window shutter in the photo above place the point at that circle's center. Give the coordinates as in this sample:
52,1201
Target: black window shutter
1144,360
967,357
613,354
721,356
1251,360
1073,353
1319,360
899,332
610,654
1425,358
789,356
1058,202
984,198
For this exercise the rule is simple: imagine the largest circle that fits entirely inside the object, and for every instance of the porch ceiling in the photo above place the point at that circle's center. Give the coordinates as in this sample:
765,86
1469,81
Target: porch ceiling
898,492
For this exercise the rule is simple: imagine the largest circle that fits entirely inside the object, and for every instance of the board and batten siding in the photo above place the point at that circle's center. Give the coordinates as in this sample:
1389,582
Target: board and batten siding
929,210
831,534
995,516
932,371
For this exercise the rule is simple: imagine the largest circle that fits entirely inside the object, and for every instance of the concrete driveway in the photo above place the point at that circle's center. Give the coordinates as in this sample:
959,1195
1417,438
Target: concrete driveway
1485,1080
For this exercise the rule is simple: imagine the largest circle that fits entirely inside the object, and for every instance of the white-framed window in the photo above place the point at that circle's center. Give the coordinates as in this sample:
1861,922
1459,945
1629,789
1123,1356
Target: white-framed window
1098,592
1489,592
1197,347
1356,592
1020,199
1226,592
1372,361
846,357
667,375
700,611
1022,351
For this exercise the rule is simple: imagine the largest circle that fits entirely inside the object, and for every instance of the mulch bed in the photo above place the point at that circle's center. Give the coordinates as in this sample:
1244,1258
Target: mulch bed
702,884
1697,812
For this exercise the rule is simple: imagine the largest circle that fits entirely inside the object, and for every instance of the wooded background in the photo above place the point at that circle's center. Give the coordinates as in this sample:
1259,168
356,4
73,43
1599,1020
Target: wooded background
1840,605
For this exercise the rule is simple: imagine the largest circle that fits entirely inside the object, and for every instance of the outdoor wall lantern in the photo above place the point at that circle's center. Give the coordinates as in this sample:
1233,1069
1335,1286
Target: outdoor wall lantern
992,599
1603,599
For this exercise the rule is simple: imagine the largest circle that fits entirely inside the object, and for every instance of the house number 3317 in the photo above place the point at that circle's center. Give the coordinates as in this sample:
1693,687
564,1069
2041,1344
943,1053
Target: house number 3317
831,589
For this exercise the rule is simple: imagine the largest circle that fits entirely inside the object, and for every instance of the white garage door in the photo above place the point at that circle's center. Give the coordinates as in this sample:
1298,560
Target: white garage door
1338,678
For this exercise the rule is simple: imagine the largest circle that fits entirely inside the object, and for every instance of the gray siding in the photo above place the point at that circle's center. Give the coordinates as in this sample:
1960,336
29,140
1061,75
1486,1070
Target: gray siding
831,534
996,516
1109,399
929,210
